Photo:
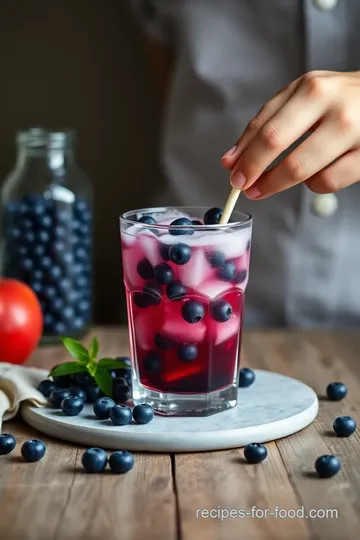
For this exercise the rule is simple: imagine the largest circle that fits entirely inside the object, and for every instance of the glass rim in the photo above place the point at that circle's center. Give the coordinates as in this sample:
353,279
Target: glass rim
233,224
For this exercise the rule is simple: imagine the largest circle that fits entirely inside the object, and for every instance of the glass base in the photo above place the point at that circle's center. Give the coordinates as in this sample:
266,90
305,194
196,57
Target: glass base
186,404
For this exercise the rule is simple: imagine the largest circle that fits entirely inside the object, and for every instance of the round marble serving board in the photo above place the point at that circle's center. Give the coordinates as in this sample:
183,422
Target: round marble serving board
274,406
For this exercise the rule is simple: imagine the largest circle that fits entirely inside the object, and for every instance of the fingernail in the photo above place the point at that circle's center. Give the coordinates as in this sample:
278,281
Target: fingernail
253,192
229,152
237,180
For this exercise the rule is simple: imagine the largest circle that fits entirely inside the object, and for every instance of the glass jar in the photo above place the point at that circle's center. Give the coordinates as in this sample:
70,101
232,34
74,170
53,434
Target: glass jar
46,220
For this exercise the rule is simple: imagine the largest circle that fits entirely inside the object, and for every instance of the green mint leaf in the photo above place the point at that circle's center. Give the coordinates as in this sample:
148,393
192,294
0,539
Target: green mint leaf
94,348
91,367
110,363
68,368
76,350
104,380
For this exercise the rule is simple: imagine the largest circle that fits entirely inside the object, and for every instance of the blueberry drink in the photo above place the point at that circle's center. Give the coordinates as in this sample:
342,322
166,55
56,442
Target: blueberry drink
185,277
46,221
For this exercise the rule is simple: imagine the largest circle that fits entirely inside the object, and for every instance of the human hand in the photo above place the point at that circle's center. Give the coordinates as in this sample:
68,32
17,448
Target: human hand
327,104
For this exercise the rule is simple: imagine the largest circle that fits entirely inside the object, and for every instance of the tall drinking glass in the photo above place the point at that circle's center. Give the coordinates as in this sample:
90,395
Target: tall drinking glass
185,284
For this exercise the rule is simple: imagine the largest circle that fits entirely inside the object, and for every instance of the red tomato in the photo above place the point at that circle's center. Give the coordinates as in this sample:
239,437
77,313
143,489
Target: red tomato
21,321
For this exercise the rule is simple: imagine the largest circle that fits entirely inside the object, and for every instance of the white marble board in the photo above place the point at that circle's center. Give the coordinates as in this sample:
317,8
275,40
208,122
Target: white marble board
274,406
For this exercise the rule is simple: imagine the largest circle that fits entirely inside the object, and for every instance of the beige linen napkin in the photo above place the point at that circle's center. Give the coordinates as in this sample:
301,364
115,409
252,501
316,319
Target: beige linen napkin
18,384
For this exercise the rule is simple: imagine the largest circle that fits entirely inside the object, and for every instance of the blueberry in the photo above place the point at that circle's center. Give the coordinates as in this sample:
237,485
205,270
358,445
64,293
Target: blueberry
175,291
102,407
46,263
216,259
327,466
46,387
255,452
59,328
42,237
27,264
221,311
163,273
180,254
152,294
57,396
145,270
55,272
79,323
121,393
68,313
78,392
45,221
38,252
227,271
33,450
7,443
153,362
72,405
83,307
94,460
192,311
93,393
213,216
164,252
57,306
148,220
162,342
246,377
187,352
28,238
83,378
26,224
344,426
38,275
15,234
179,231
196,222
143,414
336,391
121,462
240,276
119,380
120,415
49,292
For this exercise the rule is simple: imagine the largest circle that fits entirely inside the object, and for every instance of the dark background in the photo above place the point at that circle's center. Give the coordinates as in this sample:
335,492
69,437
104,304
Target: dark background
81,64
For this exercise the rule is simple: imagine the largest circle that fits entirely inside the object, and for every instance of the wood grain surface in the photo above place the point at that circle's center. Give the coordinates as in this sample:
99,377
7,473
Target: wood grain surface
208,495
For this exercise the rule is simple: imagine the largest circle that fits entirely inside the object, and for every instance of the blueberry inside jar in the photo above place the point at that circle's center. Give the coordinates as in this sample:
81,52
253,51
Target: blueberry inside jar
46,225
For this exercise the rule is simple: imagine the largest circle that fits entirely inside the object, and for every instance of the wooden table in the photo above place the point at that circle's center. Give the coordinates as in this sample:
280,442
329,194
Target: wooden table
165,496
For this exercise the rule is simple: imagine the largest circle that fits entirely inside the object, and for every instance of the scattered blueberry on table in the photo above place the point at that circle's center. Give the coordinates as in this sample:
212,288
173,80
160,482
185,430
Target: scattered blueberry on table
344,426
7,443
255,452
94,460
246,377
33,450
120,415
143,413
102,407
121,462
327,466
336,391
93,392
72,405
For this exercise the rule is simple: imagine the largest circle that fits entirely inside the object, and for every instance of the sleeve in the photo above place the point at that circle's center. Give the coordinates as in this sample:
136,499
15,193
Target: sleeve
154,19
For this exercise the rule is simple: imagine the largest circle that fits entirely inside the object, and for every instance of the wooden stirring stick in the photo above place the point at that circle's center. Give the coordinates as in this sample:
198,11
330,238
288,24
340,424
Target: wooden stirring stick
229,206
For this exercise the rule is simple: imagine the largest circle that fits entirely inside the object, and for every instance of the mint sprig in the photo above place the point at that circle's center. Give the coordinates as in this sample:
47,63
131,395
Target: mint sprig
86,361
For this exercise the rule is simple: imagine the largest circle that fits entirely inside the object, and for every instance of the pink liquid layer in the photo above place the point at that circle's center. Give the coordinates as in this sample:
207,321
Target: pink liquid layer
217,343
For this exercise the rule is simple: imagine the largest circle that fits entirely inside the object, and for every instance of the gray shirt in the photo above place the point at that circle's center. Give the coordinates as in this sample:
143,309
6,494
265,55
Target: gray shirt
231,57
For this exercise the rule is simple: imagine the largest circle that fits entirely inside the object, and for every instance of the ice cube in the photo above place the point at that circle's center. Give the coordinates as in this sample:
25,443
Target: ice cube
213,287
196,270
128,237
226,330
144,330
181,331
130,259
150,246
